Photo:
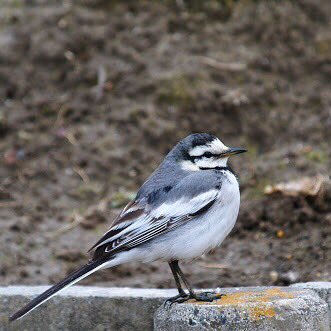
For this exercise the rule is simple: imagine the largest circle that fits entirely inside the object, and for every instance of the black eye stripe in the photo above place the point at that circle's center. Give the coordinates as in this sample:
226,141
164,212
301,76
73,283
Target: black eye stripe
207,154
199,157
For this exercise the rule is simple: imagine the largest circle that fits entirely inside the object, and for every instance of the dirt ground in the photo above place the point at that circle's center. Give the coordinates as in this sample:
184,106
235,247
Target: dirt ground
94,93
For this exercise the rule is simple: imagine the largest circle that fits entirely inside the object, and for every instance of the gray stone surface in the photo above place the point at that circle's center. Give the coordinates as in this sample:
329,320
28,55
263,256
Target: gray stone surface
94,308
83,308
258,309
323,289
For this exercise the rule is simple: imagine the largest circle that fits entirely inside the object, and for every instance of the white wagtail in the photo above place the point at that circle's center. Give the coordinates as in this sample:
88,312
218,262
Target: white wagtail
184,209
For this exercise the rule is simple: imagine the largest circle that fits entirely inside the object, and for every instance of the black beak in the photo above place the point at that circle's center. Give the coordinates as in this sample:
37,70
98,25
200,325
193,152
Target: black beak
233,151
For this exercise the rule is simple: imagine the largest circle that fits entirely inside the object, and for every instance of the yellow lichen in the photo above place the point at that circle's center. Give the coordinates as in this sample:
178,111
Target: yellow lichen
257,313
258,304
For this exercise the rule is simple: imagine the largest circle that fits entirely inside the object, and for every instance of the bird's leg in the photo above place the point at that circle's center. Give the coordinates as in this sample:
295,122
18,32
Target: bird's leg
182,276
181,293
203,296
177,280
182,296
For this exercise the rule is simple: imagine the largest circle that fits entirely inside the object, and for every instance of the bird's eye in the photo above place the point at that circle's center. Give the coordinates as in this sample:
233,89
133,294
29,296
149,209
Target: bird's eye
207,154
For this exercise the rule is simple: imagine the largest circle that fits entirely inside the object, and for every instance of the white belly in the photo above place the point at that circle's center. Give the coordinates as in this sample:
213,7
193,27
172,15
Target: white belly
209,230
199,235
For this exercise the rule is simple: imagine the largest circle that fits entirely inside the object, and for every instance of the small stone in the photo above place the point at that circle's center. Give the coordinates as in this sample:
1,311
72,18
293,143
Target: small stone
61,132
62,23
20,154
23,224
289,277
70,56
10,157
274,276
280,234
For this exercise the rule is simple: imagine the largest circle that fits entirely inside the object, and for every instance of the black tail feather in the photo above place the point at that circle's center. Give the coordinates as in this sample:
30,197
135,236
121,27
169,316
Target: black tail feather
69,280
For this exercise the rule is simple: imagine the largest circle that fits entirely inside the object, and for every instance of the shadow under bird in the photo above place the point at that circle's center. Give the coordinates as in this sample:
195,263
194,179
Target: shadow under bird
184,209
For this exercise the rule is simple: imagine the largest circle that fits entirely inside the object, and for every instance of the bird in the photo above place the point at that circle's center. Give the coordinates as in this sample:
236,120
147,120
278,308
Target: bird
184,209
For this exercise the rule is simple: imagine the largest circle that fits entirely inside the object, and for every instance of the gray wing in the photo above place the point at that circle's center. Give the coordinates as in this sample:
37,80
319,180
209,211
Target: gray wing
151,216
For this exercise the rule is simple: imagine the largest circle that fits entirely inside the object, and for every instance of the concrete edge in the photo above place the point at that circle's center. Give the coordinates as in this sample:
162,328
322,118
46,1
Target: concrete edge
117,308
322,289
274,308
90,291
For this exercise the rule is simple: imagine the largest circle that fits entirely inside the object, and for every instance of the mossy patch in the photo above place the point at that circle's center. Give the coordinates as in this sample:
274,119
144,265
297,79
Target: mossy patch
323,47
87,191
318,156
177,91
257,190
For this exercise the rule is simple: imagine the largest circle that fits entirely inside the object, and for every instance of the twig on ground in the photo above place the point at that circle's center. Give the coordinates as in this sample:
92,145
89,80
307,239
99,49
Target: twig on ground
102,78
82,174
228,66
213,265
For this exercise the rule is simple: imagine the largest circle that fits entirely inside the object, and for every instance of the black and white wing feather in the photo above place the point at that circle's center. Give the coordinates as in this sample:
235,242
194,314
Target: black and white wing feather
141,221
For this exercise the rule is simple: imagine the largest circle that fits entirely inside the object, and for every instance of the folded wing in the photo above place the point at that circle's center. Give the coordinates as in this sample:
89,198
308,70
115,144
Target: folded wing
140,222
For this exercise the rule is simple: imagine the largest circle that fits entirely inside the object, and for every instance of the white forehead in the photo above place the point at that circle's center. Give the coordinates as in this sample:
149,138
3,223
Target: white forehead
215,147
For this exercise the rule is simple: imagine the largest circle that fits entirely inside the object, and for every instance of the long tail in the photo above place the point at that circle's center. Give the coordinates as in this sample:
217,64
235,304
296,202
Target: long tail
73,278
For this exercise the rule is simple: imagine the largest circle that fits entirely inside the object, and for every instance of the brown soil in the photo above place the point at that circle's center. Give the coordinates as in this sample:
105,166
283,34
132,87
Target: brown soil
93,94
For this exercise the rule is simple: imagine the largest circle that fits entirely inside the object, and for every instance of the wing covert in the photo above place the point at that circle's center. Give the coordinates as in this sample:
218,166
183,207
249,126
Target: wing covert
151,223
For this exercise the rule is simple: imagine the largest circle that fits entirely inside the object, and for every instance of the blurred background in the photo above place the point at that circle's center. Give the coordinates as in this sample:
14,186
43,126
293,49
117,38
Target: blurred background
94,93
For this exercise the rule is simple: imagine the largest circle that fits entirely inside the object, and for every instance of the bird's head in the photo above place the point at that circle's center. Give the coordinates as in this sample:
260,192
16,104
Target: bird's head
201,151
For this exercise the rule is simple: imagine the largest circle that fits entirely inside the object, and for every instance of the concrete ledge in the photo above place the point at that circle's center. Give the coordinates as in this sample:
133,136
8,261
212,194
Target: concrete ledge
322,289
83,308
258,309
95,308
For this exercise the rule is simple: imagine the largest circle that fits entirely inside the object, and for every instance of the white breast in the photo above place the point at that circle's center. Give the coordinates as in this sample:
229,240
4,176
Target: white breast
200,234
212,228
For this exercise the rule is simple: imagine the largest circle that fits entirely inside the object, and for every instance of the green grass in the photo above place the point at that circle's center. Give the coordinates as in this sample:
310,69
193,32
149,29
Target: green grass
176,91
318,156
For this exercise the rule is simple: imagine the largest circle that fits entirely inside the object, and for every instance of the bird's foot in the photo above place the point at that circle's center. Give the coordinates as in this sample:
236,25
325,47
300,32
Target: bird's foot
179,298
206,296
203,296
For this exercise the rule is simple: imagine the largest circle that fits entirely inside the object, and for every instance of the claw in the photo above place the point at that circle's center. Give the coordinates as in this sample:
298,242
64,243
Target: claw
207,296
179,298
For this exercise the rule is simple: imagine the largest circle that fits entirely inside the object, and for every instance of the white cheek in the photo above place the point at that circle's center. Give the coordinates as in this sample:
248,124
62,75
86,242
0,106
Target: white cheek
189,166
211,163
199,150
